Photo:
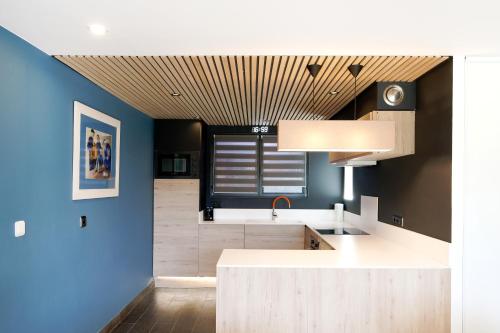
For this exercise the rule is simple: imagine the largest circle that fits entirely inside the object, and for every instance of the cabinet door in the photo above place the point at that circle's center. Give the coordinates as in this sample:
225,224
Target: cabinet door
175,240
213,238
307,238
176,201
274,237
175,250
323,245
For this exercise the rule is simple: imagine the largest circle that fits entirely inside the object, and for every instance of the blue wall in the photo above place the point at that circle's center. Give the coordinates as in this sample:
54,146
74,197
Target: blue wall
58,277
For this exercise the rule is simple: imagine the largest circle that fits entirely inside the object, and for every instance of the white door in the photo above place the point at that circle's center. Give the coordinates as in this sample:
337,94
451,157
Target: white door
481,196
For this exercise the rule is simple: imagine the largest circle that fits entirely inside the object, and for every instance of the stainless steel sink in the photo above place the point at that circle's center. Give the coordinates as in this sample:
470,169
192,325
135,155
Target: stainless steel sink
342,231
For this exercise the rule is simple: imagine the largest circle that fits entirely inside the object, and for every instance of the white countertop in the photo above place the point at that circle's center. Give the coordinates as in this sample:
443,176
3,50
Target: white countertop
253,221
351,251
324,224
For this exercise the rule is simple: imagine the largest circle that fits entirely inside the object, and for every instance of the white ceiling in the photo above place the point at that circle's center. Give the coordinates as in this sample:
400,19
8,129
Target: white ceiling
258,27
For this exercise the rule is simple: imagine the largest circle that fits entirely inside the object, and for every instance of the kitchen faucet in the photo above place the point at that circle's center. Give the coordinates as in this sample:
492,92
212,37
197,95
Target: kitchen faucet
275,215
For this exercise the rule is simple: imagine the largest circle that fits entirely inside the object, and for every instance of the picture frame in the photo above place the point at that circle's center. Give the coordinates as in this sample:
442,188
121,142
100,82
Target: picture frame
96,154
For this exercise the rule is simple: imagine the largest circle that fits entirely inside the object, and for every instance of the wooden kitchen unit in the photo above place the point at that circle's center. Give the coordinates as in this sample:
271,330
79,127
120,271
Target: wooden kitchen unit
404,140
175,240
213,239
274,236
366,284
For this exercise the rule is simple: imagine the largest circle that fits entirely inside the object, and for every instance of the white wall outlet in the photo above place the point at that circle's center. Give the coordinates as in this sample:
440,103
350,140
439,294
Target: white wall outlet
19,228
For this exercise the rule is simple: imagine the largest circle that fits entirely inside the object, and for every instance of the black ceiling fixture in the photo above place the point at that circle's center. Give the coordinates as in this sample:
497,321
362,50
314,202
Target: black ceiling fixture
314,70
355,69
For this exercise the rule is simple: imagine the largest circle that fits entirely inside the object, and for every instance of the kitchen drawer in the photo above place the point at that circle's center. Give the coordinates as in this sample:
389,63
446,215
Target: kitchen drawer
274,236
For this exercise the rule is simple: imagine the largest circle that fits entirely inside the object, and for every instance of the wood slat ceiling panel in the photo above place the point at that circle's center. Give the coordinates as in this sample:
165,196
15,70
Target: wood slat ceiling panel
241,90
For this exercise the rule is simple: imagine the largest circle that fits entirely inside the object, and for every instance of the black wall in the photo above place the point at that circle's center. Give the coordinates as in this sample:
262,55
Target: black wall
182,135
324,182
417,187
178,135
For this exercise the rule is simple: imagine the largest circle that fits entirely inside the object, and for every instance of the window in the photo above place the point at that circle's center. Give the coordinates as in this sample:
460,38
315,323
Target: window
252,165
235,164
348,186
282,172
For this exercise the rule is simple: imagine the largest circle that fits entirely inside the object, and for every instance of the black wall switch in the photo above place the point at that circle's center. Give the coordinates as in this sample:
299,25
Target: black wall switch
83,221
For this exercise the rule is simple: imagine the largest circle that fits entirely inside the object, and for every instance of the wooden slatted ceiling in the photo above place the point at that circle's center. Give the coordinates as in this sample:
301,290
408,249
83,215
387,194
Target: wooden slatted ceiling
241,90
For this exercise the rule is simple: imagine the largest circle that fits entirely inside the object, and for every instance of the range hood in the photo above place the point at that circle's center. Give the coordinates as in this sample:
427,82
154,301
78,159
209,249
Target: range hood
336,135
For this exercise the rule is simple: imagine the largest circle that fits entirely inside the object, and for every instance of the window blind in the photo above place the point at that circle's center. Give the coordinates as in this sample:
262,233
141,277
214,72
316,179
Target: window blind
282,172
235,164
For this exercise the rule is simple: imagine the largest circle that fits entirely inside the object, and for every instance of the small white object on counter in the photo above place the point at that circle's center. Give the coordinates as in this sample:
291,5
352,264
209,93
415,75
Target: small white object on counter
339,212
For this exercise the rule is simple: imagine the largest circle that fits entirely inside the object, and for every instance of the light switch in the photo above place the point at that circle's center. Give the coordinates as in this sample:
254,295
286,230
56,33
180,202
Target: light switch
83,221
19,228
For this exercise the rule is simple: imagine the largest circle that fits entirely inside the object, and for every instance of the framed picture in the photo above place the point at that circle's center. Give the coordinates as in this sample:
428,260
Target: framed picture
96,154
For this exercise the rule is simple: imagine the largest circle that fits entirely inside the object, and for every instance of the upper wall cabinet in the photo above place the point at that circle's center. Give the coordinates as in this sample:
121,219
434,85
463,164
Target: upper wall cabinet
405,140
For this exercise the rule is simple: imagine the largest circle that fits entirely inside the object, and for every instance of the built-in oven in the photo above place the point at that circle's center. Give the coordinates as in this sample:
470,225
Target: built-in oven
177,165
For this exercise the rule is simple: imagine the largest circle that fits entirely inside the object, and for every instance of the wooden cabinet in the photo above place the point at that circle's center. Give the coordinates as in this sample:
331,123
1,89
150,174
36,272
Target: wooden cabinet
183,247
404,145
308,236
324,245
313,241
213,238
175,240
274,236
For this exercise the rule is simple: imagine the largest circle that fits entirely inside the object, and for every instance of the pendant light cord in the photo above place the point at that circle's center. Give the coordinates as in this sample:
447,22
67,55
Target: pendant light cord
313,71
355,97
314,88
355,69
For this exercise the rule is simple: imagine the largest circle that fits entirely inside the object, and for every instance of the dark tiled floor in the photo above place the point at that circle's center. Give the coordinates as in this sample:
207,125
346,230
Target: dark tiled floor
173,310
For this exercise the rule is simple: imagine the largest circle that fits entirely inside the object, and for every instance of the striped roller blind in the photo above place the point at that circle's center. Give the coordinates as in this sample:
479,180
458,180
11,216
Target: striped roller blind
282,172
235,164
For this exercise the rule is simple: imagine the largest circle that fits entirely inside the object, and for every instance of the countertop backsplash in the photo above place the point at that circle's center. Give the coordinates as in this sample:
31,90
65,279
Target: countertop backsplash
289,215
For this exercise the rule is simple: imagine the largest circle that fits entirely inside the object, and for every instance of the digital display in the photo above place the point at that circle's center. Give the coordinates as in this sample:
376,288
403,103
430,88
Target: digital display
260,129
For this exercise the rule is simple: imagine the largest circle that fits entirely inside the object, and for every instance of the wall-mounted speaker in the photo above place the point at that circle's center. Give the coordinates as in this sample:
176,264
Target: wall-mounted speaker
396,95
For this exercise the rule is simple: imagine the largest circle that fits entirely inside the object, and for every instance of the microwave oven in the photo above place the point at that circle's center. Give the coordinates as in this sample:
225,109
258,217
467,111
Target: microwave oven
177,165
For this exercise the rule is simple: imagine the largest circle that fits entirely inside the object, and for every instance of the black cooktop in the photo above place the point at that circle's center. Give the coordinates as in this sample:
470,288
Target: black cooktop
342,231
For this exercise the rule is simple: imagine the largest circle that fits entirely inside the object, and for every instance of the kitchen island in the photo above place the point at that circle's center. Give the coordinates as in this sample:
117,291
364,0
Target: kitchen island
367,284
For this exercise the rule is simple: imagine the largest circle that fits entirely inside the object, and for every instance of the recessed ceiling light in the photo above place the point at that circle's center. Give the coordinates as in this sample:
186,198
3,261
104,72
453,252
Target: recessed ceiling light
333,92
97,29
175,94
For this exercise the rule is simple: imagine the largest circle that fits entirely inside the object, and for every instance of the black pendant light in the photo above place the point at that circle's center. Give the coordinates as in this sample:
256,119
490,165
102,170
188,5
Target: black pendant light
355,69
314,70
